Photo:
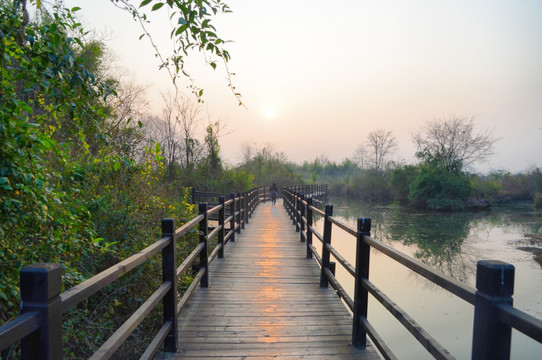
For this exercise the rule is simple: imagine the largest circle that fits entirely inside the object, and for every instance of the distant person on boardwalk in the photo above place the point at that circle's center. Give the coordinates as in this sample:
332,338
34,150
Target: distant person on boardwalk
274,194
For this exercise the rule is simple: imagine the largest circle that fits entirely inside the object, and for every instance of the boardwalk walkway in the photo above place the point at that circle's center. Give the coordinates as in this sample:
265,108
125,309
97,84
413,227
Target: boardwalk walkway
264,301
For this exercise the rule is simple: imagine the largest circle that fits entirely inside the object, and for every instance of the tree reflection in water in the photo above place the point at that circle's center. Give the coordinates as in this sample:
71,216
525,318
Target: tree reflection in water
435,238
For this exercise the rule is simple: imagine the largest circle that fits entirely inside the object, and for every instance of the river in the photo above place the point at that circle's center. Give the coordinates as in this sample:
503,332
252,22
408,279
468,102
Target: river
451,243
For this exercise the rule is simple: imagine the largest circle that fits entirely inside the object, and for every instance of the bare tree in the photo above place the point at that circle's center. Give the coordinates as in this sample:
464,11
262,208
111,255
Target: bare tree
360,156
188,117
381,144
248,151
176,131
454,142
168,136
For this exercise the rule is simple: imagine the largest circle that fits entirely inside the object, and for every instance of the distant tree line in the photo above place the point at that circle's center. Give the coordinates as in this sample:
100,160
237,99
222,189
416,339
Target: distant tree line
446,149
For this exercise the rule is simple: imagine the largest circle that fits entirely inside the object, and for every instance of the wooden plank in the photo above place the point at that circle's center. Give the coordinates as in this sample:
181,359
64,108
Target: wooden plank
264,301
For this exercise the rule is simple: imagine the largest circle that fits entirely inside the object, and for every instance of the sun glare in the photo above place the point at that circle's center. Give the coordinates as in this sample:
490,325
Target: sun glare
270,112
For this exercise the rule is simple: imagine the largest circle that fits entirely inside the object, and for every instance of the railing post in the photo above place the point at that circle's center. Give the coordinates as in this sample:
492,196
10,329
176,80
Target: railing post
495,285
232,215
303,212
40,290
309,225
242,210
255,200
169,273
294,206
203,255
257,197
239,215
332,267
247,206
363,252
288,196
325,252
250,204
286,201
297,212
221,224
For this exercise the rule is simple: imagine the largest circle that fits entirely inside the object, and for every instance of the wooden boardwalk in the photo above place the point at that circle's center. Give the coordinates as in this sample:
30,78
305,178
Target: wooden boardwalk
264,301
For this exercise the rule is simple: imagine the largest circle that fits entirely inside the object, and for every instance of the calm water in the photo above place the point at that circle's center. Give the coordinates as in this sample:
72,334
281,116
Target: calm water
451,243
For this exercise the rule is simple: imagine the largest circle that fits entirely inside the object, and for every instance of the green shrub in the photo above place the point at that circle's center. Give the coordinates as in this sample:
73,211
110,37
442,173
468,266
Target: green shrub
401,179
436,188
368,185
486,187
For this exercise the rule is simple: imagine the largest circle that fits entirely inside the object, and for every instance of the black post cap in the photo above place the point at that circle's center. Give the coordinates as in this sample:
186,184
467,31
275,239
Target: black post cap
495,278
40,282
364,225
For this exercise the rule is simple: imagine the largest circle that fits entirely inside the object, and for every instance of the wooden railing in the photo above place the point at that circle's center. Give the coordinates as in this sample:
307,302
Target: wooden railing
39,327
263,193
494,313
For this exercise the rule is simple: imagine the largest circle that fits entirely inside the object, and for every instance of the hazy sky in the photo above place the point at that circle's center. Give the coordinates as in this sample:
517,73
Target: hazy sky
317,76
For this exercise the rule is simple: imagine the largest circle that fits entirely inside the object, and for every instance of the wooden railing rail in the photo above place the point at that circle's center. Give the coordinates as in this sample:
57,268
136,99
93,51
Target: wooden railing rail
494,314
39,327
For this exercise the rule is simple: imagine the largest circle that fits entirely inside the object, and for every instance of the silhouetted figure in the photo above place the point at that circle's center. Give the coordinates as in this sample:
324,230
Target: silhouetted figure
274,194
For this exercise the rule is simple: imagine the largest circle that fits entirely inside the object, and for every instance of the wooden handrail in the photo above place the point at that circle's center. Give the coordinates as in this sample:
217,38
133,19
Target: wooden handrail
189,260
18,328
214,210
523,322
191,224
112,344
494,311
446,282
87,288
241,207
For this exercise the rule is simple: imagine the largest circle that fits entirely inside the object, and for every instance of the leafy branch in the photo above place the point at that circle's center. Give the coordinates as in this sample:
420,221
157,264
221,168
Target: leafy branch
192,29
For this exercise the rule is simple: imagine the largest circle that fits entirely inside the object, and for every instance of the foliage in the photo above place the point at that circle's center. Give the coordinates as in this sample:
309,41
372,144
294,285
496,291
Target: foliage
521,186
487,187
192,30
401,179
321,170
369,185
213,160
78,183
44,90
435,188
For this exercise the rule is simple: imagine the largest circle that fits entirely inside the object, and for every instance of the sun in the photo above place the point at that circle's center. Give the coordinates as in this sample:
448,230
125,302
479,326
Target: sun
270,112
